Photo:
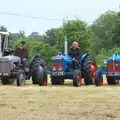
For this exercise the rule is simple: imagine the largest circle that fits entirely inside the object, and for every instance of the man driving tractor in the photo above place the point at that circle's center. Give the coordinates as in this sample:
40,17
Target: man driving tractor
21,51
74,52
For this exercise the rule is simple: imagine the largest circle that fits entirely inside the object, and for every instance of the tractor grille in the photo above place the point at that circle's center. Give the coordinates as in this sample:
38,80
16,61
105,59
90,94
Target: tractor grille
114,66
5,66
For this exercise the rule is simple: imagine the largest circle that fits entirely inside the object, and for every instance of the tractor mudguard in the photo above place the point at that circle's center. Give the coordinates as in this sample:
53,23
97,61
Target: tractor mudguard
83,58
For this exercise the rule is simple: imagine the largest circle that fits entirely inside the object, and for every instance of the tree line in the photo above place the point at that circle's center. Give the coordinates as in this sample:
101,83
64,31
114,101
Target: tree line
100,38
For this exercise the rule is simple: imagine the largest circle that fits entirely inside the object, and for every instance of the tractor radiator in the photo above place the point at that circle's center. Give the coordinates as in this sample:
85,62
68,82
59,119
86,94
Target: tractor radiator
114,66
5,66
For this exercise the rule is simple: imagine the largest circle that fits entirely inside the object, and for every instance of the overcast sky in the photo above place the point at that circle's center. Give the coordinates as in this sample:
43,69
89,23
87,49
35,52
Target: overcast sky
87,10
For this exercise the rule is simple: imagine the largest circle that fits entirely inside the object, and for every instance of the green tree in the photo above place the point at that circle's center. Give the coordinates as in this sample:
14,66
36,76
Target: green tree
3,29
106,30
75,30
36,37
50,36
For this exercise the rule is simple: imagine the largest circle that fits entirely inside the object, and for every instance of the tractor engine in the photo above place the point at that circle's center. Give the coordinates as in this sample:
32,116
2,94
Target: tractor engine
60,65
61,69
8,64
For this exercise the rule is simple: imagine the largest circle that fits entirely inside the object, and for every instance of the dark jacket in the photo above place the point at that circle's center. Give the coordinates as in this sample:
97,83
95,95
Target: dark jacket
22,53
75,53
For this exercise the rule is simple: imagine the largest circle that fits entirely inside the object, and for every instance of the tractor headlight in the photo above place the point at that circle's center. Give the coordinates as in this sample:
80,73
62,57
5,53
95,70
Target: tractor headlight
60,68
54,68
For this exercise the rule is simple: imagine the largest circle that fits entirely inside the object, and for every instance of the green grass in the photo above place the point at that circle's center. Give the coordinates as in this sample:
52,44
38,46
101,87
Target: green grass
66,102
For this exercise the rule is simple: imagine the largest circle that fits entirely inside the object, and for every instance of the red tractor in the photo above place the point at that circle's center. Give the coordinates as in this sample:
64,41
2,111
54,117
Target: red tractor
112,71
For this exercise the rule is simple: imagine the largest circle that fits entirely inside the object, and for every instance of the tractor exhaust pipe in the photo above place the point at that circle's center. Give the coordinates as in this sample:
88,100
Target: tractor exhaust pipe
65,46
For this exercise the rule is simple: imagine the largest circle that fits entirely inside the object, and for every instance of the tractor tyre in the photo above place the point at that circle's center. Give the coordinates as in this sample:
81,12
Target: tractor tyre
4,80
34,80
112,81
21,78
98,78
11,81
115,82
77,78
7,81
89,68
45,79
41,77
87,80
57,80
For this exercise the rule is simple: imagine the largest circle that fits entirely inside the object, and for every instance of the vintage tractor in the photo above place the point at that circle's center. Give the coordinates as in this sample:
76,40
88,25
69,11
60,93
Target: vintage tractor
15,68
112,71
10,65
62,68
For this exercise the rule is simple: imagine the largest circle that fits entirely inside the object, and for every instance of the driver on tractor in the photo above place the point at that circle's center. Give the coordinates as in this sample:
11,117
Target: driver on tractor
74,52
22,52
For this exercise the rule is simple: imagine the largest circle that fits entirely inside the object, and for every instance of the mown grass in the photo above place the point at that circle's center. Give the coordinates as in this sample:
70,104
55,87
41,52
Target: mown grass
66,102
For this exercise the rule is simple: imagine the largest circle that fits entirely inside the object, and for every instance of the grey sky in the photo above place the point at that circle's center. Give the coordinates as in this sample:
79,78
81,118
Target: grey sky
87,10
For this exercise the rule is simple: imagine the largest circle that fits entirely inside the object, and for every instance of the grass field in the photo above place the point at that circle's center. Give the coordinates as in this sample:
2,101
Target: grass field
32,102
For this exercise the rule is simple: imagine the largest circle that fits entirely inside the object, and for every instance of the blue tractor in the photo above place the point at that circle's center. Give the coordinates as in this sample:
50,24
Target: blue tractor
62,68
112,71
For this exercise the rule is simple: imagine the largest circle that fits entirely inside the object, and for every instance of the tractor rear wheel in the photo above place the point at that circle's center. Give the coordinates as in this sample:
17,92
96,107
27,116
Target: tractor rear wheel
98,78
87,79
89,68
77,79
40,77
34,80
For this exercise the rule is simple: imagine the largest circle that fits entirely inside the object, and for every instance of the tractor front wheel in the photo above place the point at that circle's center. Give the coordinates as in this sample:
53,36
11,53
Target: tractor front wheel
112,81
21,78
77,78
98,78
5,80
